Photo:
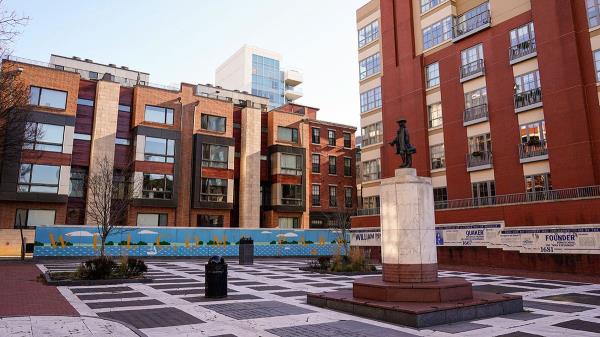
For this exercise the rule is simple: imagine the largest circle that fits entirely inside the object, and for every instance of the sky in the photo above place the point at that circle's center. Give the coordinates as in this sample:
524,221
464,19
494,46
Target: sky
185,41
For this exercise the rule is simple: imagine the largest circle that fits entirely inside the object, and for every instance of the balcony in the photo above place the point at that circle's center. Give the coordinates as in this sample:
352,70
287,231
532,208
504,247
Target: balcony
533,150
292,77
472,70
528,100
476,114
522,51
469,26
479,160
292,93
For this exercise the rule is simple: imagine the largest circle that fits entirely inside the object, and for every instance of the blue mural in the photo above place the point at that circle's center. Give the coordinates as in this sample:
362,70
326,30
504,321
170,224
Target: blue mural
183,241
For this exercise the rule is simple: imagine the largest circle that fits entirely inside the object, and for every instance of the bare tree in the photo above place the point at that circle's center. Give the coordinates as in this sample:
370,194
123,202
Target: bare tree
339,222
109,198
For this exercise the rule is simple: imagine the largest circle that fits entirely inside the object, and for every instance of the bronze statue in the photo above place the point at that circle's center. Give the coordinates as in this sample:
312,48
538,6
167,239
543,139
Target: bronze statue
403,146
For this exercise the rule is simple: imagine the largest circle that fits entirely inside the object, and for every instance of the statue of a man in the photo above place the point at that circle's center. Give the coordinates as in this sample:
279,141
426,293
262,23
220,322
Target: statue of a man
403,146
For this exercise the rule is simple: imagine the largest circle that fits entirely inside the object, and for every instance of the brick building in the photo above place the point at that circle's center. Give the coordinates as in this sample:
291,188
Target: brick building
202,155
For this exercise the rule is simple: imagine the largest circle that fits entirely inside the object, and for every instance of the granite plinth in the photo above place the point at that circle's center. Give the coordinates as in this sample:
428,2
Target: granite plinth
445,289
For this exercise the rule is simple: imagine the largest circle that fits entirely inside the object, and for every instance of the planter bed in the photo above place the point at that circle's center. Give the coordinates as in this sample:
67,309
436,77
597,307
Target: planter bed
70,282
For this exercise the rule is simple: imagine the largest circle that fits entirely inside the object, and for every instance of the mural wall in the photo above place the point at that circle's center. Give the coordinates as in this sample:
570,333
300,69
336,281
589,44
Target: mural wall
179,241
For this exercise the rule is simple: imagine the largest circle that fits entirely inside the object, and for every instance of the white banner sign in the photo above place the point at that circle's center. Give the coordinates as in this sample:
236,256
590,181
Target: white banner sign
365,237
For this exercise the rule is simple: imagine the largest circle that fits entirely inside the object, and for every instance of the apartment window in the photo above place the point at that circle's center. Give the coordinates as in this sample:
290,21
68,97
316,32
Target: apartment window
372,134
480,143
471,55
47,137
372,170
316,136
93,75
287,134
370,202
210,220
429,4
440,197
483,192
316,223
332,165
331,137
533,133
34,217
527,82
38,178
86,102
159,150
213,189
332,196
157,114
347,166
437,33
347,140
45,97
435,115
432,75
157,186
368,33
291,195
316,163
215,155
593,12
538,183
152,219
82,136
212,123
348,197
522,35
597,64
369,66
438,159
316,195
475,98
122,141
120,182
124,108
77,182
291,164
370,99
288,223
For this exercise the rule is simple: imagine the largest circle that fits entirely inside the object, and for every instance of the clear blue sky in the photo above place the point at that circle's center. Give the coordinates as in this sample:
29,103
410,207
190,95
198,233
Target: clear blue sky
184,41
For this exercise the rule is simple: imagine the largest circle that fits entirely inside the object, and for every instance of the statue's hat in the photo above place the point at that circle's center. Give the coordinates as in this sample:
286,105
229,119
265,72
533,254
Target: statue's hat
401,120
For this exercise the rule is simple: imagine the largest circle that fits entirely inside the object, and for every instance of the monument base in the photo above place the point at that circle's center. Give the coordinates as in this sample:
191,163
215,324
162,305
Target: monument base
445,289
420,314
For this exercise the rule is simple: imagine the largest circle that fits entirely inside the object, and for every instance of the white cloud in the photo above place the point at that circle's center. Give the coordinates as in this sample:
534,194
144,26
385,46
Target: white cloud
80,233
265,232
146,231
288,235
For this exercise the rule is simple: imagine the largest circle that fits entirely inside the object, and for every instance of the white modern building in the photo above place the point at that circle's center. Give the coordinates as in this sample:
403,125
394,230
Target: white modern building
91,70
259,72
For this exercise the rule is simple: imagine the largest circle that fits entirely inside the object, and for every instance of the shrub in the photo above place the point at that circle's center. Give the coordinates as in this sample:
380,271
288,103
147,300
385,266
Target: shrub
96,269
274,242
163,243
141,243
200,243
37,243
123,243
133,267
324,262
109,243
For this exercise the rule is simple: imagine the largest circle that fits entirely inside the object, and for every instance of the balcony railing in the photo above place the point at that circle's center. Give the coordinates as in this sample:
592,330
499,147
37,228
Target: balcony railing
472,70
371,176
533,149
521,51
528,99
368,211
463,28
479,160
372,140
475,114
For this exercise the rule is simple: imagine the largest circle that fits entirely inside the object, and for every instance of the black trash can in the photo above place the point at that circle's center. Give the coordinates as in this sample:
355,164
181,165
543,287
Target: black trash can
246,251
215,278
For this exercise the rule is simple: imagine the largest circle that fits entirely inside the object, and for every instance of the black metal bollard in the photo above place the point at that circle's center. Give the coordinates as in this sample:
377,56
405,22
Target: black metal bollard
246,251
215,278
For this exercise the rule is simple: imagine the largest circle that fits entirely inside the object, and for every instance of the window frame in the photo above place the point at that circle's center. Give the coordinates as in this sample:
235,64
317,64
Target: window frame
370,33
39,97
520,82
78,175
482,99
205,119
167,194
596,56
205,187
166,113
437,155
208,162
159,216
437,33
478,189
44,145
593,18
347,166
348,198
369,66
547,183
332,165
205,220
332,196
316,167
528,136
372,134
370,99
295,200
439,118
27,217
294,134
292,171
29,184
295,222
432,69
370,164
160,157
315,197
347,136
331,141
516,38
315,136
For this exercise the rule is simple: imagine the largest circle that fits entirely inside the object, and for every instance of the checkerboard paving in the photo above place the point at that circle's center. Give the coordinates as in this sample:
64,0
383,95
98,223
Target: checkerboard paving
269,299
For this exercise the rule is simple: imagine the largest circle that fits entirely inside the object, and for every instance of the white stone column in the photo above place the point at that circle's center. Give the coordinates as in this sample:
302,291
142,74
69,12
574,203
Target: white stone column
250,169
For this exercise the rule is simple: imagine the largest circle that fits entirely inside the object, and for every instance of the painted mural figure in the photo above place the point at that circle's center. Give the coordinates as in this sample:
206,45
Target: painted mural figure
403,146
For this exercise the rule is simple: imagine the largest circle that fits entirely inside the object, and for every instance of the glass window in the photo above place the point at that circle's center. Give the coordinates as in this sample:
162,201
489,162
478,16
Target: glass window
332,165
122,141
159,150
152,219
34,217
212,123
440,197
316,195
432,75
437,33
371,169
93,75
475,98
369,66
332,196
124,108
316,135
597,64
533,133
593,12
331,137
370,202
348,197
215,155
291,195
77,182
210,220
347,140
82,136
56,99
435,115
527,82
368,33
483,193
291,164
157,186
538,183
480,143
438,159
158,114
214,190
47,137
316,163
372,134
370,99
86,102
471,55
288,223
287,134
522,35
38,178
347,166
429,4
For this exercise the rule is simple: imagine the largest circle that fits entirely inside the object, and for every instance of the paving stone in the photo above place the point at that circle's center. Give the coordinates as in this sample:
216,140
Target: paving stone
459,327
185,291
291,293
252,310
120,304
98,289
339,328
519,334
566,283
536,285
324,285
575,298
300,280
177,280
565,308
524,316
484,280
267,288
581,325
247,283
177,286
278,277
152,318
236,297
499,289
109,296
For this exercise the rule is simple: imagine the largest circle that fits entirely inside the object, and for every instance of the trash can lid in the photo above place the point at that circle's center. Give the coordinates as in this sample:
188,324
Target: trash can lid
216,259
